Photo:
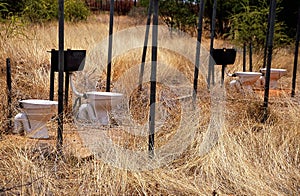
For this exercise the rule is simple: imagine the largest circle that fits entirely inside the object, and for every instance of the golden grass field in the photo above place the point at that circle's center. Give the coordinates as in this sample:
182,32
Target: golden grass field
249,158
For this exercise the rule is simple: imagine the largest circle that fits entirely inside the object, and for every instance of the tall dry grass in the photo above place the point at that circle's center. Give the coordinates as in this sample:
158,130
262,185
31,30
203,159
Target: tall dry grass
249,158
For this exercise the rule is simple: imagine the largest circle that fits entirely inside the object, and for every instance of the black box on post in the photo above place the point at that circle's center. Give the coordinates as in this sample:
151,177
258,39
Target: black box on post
74,60
224,56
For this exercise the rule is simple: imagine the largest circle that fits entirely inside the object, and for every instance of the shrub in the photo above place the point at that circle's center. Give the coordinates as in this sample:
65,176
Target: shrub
76,10
44,10
40,10
250,25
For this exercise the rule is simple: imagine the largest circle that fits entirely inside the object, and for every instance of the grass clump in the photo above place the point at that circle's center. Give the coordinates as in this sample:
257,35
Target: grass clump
249,158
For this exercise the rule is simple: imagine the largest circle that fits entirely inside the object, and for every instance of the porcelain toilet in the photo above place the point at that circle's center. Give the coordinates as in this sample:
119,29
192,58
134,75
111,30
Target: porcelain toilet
245,80
33,120
275,75
98,106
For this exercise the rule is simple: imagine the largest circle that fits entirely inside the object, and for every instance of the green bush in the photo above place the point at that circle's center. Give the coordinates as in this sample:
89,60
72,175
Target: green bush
250,25
44,10
76,10
40,10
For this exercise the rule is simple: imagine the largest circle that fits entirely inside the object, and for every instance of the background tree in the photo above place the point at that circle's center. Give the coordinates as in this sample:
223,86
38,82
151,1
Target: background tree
240,20
249,25
43,10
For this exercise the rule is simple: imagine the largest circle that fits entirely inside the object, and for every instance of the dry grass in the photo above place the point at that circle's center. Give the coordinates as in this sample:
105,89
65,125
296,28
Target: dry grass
250,158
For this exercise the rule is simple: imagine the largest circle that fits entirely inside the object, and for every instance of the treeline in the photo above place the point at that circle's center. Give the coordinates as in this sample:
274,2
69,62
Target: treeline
239,20
42,10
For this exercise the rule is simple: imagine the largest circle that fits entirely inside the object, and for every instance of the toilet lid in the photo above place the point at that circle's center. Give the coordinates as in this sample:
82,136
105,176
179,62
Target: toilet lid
39,102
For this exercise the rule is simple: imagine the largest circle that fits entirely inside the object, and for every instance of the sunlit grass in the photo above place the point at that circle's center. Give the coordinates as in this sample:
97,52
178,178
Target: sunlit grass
250,158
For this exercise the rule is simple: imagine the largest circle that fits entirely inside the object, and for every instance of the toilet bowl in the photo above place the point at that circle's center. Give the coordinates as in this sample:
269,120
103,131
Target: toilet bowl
275,75
33,120
245,80
98,106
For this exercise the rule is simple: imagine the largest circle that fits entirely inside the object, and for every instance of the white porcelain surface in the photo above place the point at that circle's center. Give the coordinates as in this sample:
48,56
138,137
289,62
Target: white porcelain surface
273,70
248,78
275,75
98,106
38,102
247,73
245,80
36,114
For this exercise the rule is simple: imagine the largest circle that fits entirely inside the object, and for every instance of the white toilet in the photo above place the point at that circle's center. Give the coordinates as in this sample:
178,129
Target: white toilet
245,81
33,120
275,75
98,106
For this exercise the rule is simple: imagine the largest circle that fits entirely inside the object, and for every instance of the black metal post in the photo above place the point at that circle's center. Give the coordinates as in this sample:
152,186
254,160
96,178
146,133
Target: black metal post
267,40
67,81
211,66
269,62
141,76
223,74
250,57
60,76
198,49
110,42
244,56
153,79
9,94
52,75
296,55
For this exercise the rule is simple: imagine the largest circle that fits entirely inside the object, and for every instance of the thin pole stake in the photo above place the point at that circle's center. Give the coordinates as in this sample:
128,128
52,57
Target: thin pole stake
153,80
60,77
250,57
211,66
244,56
141,76
198,49
9,94
267,40
52,76
110,42
296,55
67,82
269,62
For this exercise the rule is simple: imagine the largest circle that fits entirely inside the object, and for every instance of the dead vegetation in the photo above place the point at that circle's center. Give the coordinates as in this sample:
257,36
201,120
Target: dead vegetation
250,158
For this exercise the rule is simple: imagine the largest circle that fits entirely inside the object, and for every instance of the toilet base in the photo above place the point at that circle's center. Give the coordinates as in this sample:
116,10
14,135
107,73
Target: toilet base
273,83
87,113
33,128
238,86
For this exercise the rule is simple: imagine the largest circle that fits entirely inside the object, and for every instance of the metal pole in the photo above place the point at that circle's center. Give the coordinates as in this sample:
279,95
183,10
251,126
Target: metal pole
296,55
67,81
8,81
250,57
153,80
267,40
211,66
110,42
244,56
198,49
145,45
60,76
51,96
269,62
223,74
